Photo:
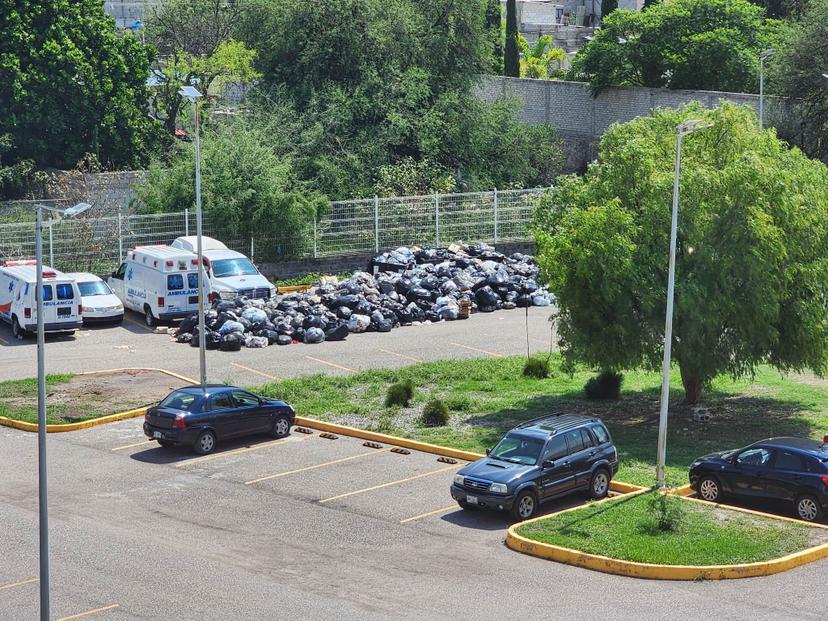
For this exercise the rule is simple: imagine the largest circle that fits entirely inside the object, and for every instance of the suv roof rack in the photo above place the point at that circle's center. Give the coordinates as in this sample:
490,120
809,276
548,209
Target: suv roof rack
559,421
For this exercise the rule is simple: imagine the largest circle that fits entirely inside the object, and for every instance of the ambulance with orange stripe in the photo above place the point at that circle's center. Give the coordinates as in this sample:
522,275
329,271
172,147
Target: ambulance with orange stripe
62,306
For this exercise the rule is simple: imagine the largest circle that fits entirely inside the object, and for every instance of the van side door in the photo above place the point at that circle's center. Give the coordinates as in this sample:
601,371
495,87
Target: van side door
116,282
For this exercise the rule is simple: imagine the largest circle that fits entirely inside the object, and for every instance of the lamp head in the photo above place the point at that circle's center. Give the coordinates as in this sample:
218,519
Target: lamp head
765,53
190,92
78,209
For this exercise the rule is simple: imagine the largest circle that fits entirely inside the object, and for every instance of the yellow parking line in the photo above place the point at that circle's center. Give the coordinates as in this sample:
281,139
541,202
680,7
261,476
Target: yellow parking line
331,364
315,466
482,351
121,448
425,515
17,584
375,487
89,613
246,449
267,375
393,353
135,323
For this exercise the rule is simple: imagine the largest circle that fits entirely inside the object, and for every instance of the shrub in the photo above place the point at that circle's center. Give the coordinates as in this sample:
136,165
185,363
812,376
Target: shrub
400,393
536,367
605,385
435,414
668,511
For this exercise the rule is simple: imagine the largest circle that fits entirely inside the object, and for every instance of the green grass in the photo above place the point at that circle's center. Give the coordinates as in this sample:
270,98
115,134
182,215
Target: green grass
487,397
625,529
308,279
18,401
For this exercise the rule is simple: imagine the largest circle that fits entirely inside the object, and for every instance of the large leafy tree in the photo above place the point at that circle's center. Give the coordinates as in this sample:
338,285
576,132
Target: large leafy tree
752,253
797,71
70,86
195,41
689,44
537,60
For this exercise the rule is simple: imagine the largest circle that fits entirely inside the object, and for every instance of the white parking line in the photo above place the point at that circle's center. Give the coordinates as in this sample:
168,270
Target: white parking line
482,351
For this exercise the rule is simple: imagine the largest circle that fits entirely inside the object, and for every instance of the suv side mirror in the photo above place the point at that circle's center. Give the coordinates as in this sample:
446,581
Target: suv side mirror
546,464
488,450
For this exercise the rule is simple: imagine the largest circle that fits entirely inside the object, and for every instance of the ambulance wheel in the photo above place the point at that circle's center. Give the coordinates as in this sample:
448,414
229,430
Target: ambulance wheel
18,332
149,318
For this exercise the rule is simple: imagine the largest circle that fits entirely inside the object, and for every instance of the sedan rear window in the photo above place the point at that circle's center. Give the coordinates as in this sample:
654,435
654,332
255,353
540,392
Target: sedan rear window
179,400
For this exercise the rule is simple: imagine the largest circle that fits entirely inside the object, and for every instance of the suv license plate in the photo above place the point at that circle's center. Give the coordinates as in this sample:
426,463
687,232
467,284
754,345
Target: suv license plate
157,434
64,312
472,500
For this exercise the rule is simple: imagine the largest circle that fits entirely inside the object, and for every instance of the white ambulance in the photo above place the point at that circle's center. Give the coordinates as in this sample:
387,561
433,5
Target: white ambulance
159,282
62,305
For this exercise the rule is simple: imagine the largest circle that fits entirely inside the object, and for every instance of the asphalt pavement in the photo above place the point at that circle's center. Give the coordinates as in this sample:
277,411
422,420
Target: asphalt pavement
305,528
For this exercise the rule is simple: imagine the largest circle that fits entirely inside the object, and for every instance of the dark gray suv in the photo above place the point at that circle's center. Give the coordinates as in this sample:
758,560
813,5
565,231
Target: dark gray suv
537,461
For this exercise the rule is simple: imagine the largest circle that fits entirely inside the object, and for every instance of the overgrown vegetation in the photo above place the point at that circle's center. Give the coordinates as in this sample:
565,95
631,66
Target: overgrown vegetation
751,277
625,528
400,393
605,385
488,397
435,414
536,367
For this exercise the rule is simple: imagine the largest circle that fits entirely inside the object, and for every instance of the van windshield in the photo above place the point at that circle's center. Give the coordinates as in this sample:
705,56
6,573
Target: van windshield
233,267
518,450
88,289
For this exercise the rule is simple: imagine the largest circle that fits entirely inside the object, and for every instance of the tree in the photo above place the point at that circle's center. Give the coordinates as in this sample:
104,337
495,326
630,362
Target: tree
607,7
689,44
536,60
194,39
751,274
71,86
247,190
13,175
796,72
511,59
494,17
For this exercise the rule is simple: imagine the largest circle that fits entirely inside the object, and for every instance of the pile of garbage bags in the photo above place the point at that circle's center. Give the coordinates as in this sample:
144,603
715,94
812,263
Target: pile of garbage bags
410,286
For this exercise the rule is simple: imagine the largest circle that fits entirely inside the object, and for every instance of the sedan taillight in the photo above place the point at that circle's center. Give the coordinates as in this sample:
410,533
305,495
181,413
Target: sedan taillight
824,478
179,422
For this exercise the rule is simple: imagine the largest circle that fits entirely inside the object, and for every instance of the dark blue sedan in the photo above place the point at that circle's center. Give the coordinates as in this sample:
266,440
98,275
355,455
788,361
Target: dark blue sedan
202,416
792,470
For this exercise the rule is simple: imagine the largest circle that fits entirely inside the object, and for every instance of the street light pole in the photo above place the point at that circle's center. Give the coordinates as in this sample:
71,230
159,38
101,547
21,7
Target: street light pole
193,94
682,130
43,506
762,56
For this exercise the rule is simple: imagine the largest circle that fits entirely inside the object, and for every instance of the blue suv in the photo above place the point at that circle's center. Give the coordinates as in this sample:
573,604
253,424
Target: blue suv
538,461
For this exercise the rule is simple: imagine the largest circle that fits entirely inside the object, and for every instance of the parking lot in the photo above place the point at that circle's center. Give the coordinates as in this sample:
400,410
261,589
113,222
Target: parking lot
304,527
133,345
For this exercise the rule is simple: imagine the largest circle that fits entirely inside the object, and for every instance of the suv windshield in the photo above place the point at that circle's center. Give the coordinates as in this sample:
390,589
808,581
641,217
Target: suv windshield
233,267
179,400
89,289
518,450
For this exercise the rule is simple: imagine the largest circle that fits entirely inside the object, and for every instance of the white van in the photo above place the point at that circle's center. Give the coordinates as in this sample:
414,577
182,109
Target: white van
231,273
159,282
99,303
62,305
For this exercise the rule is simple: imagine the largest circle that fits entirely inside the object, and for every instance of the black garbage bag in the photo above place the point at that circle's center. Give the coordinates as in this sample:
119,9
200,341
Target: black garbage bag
430,283
272,336
283,339
314,321
418,293
188,324
486,297
386,286
247,325
343,312
232,341
376,317
285,328
183,337
299,334
350,300
314,335
511,297
384,325
213,340
226,305
363,308
523,301
497,279
529,286
338,333
404,316
221,320
404,285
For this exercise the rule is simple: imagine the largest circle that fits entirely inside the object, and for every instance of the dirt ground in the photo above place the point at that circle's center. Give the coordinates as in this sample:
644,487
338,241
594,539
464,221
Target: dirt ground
109,393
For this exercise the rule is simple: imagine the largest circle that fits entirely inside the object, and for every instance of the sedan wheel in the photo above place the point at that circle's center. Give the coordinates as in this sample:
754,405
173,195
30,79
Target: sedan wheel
808,509
709,489
281,427
205,443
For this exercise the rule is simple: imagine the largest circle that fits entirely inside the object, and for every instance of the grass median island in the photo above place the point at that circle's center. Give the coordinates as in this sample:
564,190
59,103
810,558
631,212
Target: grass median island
626,529
487,397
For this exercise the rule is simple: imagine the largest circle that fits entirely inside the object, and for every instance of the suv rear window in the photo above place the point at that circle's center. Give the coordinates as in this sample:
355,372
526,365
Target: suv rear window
192,280
65,292
600,433
175,282
47,293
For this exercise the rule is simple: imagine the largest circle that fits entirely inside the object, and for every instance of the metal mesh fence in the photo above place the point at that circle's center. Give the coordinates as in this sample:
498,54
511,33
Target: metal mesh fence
347,227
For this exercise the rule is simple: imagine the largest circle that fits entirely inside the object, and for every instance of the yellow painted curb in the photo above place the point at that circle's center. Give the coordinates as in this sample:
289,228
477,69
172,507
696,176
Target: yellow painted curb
292,288
653,571
94,422
683,491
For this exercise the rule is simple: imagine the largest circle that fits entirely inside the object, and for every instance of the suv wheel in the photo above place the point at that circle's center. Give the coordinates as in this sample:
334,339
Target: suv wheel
205,443
709,489
599,484
149,318
17,330
808,509
526,504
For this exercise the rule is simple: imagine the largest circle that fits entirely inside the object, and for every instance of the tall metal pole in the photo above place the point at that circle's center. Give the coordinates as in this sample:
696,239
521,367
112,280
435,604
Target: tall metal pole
202,331
41,424
51,249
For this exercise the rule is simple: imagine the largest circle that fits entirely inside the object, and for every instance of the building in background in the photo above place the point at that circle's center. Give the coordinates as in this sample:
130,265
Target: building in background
127,12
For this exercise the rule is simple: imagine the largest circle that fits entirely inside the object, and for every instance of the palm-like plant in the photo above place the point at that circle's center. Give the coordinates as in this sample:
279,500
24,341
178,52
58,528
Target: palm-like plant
535,61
